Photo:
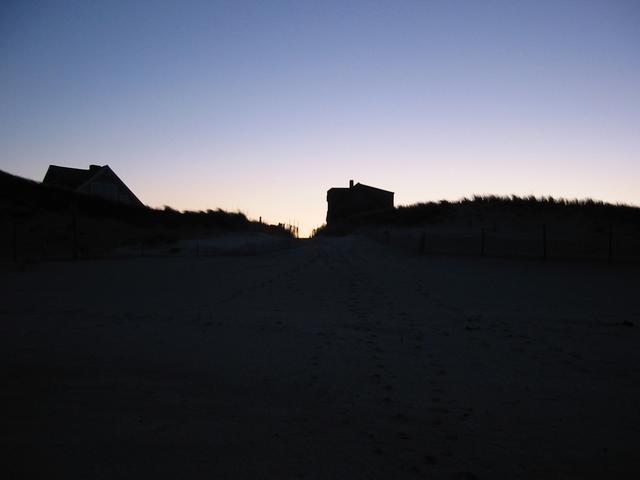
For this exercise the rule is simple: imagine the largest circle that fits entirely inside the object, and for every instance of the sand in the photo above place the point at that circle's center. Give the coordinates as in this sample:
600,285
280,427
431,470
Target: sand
341,358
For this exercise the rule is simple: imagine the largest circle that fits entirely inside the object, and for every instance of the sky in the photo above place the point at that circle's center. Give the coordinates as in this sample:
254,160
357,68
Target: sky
261,106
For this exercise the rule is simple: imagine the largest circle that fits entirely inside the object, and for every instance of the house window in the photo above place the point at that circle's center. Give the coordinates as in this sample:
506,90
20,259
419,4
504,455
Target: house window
105,190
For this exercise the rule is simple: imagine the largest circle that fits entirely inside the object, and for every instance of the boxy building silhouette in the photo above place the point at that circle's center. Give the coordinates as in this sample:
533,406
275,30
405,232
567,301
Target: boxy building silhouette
358,198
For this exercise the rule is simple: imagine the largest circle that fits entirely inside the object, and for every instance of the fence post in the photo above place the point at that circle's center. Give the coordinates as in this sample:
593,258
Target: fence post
74,227
610,249
482,241
14,240
544,241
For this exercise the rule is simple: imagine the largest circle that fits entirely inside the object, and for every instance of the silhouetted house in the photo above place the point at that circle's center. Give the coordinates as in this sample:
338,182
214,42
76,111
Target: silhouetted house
97,180
358,198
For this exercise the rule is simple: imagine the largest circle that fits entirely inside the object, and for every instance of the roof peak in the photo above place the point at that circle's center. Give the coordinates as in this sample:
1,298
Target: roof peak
362,185
359,186
91,168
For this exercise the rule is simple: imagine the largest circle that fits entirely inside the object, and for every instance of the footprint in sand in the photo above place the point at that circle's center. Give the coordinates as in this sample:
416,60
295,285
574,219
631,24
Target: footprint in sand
429,460
464,476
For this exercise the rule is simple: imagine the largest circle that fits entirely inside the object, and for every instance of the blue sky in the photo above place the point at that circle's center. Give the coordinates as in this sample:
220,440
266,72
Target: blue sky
262,106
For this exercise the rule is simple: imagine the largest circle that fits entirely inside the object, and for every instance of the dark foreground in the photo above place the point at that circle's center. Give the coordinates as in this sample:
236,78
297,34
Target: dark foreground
338,359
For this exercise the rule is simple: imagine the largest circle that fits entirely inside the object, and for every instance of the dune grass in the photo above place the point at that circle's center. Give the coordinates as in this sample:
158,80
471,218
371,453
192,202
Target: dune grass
22,198
40,221
485,206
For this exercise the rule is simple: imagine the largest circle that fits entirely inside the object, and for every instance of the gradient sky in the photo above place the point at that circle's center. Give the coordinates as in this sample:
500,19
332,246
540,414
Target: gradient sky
263,105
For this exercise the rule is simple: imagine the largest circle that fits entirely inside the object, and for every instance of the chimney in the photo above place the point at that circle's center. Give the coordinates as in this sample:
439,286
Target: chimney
350,183
93,168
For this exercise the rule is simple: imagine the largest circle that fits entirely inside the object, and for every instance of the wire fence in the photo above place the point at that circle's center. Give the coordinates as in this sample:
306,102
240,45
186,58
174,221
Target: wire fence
545,242
68,236
72,237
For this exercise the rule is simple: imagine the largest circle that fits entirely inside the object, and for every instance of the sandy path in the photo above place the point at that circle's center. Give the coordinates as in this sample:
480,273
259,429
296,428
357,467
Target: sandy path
338,359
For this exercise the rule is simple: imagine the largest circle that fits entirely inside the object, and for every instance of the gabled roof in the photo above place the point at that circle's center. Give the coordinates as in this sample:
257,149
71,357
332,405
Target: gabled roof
107,170
359,186
77,178
362,186
67,177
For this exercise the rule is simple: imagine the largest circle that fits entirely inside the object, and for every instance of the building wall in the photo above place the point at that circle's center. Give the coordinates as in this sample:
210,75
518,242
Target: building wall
108,186
344,202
